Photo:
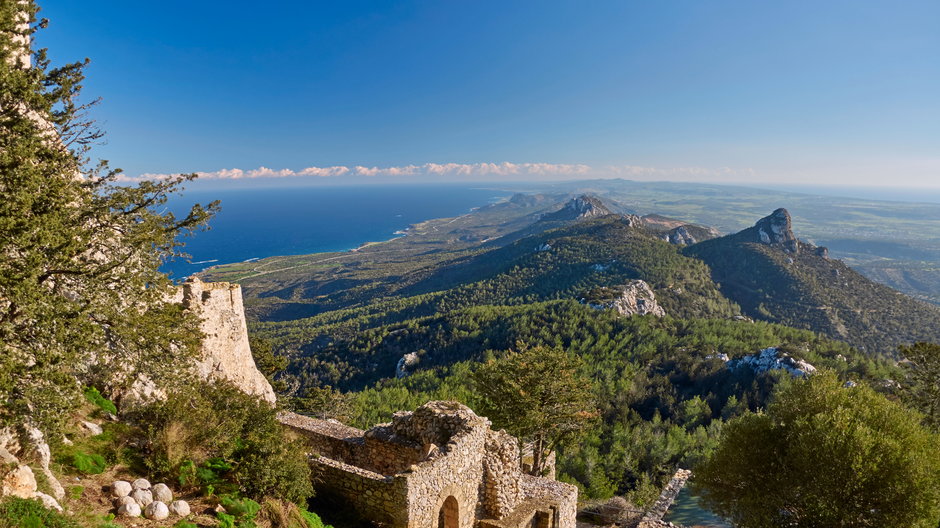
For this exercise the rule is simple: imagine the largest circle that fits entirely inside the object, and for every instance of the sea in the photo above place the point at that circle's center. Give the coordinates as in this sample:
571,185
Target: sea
255,222
264,221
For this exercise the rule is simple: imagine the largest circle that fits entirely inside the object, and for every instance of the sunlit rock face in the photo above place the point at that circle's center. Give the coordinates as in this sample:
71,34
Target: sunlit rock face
777,230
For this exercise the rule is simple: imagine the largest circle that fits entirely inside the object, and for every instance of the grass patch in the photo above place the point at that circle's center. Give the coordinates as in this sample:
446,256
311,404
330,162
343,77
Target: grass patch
75,492
25,513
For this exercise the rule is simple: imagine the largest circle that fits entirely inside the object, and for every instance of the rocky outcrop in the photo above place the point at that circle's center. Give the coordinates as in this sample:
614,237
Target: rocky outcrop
634,298
772,359
17,479
405,363
582,207
686,235
777,230
225,350
225,353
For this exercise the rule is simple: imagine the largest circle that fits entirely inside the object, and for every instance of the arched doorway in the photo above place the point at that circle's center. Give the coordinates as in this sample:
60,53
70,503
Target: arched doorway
449,516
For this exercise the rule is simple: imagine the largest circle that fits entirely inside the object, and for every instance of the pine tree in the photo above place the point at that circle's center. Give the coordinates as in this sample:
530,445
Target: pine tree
923,387
81,297
538,395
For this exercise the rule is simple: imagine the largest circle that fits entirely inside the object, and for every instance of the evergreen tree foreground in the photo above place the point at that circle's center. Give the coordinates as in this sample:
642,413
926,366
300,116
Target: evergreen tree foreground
82,300
824,455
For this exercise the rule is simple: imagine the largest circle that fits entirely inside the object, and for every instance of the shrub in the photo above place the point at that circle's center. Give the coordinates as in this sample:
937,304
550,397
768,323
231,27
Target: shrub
217,436
25,513
313,520
239,512
95,397
282,514
825,455
90,464
241,508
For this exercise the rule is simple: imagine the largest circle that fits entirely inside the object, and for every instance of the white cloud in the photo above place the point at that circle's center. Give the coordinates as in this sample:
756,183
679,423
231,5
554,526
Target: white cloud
462,171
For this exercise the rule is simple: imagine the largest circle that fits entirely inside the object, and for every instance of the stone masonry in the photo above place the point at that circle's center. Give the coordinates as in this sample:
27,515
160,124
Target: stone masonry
225,351
441,466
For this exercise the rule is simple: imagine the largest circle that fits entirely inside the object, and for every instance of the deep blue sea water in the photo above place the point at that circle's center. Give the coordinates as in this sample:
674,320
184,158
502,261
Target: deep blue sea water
263,222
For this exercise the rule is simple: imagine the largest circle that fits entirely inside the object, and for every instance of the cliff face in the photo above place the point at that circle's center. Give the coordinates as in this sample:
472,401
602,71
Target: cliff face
225,351
634,298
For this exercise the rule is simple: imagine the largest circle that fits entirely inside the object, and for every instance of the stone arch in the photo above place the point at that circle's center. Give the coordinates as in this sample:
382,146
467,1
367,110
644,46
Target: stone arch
449,515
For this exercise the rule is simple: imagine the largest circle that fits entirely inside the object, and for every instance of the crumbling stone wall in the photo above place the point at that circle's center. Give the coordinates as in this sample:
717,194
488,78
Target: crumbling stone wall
372,450
225,351
654,517
403,473
453,469
379,498
502,473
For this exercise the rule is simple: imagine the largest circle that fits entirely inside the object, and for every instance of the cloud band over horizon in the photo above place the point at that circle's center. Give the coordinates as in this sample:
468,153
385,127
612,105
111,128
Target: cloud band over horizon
464,171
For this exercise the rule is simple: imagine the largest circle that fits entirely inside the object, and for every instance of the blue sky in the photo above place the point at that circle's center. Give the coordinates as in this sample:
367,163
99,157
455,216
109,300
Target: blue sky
829,92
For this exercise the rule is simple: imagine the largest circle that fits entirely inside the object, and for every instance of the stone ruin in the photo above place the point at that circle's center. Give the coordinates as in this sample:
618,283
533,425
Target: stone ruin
225,351
441,466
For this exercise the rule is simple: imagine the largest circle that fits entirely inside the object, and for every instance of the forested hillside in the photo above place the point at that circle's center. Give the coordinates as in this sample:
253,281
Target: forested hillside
397,333
784,280
661,387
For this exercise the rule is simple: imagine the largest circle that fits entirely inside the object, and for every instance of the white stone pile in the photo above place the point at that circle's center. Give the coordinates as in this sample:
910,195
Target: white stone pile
133,499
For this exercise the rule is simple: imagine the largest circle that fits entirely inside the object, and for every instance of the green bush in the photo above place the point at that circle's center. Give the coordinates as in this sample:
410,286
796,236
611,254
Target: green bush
25,513
825,455
225,520
239,512
185,524
95,397
215,436
241,508
313,520
90,464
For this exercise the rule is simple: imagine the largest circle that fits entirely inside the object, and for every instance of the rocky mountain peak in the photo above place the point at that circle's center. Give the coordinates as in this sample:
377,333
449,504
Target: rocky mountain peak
581,207
587,206
777,230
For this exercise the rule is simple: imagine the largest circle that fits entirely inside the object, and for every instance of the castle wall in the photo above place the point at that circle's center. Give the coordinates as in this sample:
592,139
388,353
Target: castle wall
225,351
376,497
412,472
386,456
457,471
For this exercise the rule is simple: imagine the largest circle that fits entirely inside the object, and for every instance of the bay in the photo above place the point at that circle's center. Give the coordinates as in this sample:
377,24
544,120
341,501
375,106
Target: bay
262,222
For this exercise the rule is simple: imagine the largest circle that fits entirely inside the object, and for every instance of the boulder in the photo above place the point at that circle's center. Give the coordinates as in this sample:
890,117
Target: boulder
156,511
142,497
131,509
18,481
121,501
47,501
141,483
162,493
121,488
179,507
